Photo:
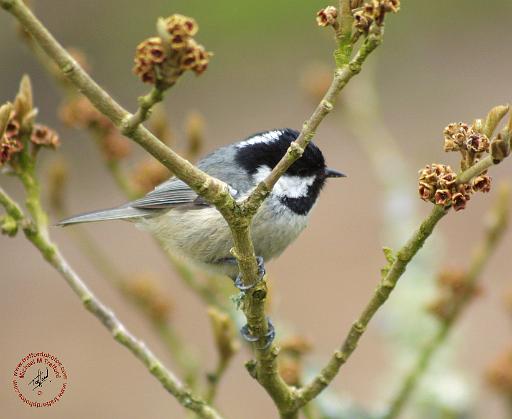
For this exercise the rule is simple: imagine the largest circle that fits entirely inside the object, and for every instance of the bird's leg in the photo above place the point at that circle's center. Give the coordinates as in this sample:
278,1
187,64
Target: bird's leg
244,331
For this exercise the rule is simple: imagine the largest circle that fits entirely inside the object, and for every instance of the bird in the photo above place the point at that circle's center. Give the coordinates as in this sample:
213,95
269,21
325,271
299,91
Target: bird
193,229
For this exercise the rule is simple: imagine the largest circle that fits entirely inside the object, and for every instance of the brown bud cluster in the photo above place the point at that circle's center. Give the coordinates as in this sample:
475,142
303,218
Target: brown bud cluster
144,290
327,16
18,129
165,58
8,148
454,287
114,146
291,360
148,174
374,12
57,180
438,184
149,54
223,333
44,136
296,345
10,144
79,113
499,374
458,136
194,129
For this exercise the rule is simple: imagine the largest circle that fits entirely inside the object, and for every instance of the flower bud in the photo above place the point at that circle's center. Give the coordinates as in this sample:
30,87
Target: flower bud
442,197
194,128
477,143
44,136
5,116
458,201
493,119
499,374
327,16
481,183
8,225
224,333
500,148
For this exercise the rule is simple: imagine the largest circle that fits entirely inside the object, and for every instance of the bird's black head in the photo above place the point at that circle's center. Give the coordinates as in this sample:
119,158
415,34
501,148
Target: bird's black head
300,186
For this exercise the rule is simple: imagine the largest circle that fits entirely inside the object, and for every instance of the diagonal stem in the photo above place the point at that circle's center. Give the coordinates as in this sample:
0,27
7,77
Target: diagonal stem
38,236
384,289
494,232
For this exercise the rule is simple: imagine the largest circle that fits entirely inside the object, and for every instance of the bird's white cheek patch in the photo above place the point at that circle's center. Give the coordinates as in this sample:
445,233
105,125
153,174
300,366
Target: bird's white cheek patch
290,186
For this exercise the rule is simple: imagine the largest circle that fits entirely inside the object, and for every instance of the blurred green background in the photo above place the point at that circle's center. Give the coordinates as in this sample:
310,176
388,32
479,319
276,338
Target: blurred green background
440,62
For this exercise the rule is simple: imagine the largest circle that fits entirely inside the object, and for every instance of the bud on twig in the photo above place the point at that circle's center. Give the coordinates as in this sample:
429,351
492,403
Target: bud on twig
163,59
500,147
328,16
144,290
194,128
493,119
224,334
499,374
374,12
24,102
148,174
57,179
8,225
44,136
159,124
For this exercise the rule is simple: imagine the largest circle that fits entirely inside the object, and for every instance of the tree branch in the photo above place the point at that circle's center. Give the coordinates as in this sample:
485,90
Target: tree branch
146,102
213,190
238,216
38,236
482,254
384,289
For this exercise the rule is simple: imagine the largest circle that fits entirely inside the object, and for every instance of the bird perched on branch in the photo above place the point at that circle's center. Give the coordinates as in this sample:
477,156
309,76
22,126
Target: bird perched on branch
192,228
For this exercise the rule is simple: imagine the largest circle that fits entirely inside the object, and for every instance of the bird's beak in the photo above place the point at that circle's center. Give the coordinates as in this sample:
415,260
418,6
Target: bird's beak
333,173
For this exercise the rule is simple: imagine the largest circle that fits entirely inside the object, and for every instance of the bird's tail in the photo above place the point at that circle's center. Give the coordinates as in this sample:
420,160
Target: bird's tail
120,213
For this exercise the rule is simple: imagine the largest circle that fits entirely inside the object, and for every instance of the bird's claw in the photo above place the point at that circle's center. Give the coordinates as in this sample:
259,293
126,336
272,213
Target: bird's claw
269,336
239,283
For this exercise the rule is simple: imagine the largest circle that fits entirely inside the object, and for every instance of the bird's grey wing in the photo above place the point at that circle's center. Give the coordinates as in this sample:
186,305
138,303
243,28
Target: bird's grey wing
169,194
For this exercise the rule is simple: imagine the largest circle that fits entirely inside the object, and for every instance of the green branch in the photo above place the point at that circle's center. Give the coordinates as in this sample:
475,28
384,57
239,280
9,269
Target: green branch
493,234
384,289
37,235
213,190
146,102
238,216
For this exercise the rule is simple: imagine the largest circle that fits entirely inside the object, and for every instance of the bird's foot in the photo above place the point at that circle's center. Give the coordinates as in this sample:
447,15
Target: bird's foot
269,336
239,283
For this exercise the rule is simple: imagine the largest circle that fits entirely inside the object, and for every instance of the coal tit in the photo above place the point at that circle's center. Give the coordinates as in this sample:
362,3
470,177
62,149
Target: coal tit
190,227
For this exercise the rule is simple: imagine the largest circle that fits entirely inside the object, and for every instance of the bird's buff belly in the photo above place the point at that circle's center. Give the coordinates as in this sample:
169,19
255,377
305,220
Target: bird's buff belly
203,236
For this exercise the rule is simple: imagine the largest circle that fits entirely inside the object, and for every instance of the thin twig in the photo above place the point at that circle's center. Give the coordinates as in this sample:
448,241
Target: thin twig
384,289
386,285
211,189
267,374
146,102
38,236
494,232
214,380
177,349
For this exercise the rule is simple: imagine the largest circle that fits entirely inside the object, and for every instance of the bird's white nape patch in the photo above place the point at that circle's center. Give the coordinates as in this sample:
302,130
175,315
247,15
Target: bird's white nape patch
287,185
265,138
